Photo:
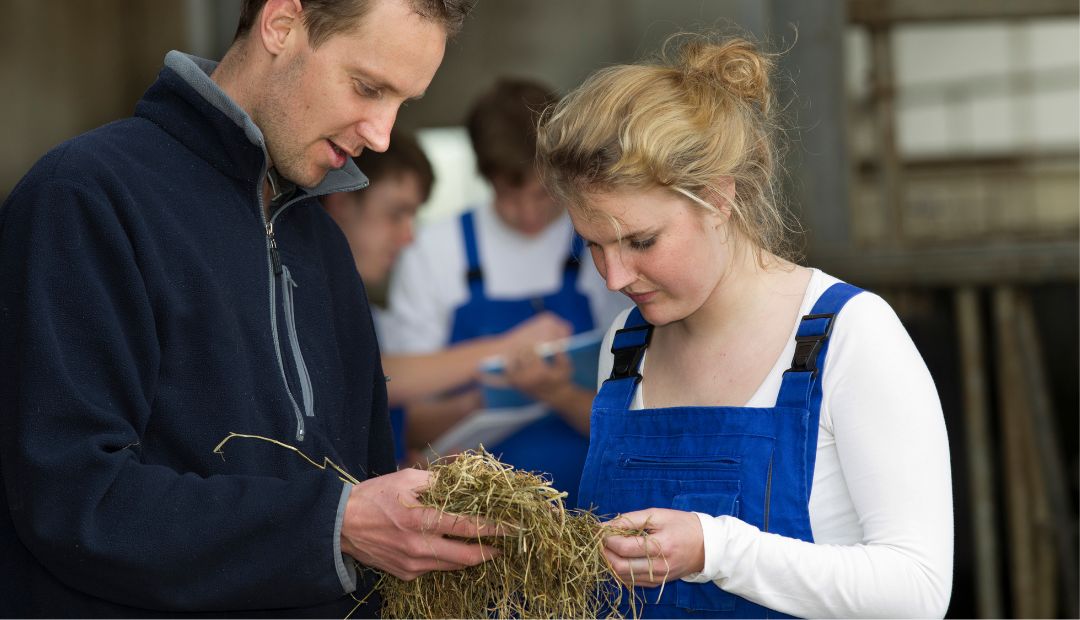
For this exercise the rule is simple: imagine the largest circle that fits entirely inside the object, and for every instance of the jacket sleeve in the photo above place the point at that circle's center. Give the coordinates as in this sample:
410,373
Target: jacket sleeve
81,357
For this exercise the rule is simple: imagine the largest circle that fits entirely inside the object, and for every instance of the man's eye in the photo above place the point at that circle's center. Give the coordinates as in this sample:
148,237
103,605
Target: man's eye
367,91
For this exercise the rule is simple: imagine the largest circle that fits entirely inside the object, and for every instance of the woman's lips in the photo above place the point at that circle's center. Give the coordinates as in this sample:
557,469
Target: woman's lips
640,298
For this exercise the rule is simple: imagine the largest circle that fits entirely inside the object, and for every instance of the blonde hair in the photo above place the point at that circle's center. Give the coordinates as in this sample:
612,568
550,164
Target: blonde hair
700,114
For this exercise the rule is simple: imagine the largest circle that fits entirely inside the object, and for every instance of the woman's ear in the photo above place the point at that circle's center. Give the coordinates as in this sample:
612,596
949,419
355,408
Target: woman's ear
722,196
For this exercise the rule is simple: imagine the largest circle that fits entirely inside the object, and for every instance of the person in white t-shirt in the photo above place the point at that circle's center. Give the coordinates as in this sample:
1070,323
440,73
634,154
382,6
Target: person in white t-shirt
773,430
378,223
500,264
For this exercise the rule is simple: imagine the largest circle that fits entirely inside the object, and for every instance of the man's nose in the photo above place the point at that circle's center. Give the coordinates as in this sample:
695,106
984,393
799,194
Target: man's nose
375,128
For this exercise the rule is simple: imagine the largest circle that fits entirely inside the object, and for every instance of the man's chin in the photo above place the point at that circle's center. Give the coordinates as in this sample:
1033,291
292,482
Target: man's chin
306,179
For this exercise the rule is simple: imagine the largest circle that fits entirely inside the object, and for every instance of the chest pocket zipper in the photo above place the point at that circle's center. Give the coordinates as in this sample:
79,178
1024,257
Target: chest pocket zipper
287,284
307,393
636,461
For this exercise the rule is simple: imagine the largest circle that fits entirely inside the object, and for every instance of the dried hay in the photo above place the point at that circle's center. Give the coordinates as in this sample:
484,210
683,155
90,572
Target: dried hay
550,565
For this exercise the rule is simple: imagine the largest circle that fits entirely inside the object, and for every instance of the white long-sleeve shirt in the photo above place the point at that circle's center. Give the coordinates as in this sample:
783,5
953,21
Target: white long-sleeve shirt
881,502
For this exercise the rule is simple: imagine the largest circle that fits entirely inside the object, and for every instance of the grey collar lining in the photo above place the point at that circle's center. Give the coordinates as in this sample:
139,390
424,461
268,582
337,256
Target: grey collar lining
196,72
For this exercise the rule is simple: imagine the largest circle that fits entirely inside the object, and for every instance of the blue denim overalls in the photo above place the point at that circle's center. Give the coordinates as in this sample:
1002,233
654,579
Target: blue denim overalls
549,444
756,464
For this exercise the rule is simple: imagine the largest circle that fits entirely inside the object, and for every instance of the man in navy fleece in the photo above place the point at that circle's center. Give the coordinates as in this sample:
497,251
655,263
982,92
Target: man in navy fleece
170,278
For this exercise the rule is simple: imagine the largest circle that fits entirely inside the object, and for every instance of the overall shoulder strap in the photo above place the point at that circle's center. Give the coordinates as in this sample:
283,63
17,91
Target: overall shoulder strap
474,276
811,347
801,385
628,347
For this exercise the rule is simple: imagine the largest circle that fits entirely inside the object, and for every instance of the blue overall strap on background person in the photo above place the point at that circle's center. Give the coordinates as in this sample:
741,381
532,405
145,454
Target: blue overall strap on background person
549,444
397,425
483,316
755,464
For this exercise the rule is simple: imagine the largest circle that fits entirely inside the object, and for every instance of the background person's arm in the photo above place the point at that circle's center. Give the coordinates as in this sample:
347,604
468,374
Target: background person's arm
550,381
418,376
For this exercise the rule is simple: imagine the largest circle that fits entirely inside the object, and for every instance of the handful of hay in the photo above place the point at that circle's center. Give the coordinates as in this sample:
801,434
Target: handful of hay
550,565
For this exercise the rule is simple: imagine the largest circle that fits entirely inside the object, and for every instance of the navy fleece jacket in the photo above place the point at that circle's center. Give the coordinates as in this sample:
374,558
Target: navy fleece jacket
145,317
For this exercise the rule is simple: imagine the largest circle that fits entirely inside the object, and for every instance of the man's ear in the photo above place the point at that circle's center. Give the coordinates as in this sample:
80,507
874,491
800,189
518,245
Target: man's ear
279,20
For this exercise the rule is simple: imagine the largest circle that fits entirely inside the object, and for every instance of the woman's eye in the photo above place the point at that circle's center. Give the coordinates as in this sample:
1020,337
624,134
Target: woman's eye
642,244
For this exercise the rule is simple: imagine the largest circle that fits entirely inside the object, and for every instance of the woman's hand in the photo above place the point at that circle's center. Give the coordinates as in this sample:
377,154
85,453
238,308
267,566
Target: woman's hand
673,548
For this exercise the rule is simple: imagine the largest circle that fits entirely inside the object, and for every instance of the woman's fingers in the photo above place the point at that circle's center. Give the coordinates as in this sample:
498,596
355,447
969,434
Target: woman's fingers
633,546
646,572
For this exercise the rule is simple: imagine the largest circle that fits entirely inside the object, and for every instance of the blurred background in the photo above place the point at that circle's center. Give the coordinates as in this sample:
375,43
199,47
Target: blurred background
934,160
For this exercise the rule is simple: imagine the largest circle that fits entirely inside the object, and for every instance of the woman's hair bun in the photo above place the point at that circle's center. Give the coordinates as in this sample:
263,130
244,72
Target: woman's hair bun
734,64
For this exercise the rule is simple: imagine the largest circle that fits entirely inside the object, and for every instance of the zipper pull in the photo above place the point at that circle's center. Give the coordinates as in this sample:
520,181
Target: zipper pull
275,258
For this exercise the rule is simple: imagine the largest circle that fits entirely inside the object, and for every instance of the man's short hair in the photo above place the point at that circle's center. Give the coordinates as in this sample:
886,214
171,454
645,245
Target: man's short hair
502,127
404,155
325,18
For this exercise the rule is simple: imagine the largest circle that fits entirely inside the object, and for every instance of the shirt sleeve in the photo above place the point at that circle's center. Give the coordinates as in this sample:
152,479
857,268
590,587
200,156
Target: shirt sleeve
417,319
882,407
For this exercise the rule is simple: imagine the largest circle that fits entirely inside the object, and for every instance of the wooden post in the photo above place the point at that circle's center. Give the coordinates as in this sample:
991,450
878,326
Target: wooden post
1058,539
979,448
1013,411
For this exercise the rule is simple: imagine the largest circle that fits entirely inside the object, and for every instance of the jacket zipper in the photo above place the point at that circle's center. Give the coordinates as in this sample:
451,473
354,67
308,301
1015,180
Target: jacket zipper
275,257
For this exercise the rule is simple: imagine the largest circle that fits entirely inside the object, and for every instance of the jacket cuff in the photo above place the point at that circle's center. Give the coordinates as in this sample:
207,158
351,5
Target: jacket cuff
346,567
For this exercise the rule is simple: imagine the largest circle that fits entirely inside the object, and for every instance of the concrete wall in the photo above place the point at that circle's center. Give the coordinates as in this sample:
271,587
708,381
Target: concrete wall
559,42
71,66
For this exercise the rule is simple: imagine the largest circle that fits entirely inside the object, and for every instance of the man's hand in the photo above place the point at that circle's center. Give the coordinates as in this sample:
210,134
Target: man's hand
386,528
673,549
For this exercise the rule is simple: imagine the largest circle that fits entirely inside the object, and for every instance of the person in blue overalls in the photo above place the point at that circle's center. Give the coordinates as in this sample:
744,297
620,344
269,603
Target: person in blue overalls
378,223
771,430
499,265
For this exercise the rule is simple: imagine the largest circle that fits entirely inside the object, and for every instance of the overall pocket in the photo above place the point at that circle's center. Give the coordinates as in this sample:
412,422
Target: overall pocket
712,497
714,502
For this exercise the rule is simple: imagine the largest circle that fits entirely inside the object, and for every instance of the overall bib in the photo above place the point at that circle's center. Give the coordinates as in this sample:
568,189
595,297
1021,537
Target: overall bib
756,464
549,444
